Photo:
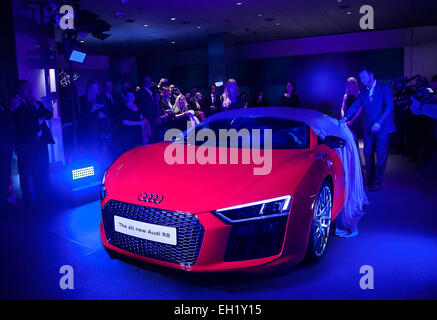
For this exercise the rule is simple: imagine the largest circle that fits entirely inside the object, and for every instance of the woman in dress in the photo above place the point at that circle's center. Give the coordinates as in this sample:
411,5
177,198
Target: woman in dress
347,221
134,126
95,127
183,114
352,93
230,99
290,98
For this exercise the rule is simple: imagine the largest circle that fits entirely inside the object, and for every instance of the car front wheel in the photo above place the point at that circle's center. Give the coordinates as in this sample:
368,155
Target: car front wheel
321,223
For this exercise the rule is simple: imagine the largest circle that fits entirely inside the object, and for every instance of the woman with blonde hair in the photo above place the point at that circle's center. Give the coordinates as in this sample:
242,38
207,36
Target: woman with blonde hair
352,94
182,113
231,99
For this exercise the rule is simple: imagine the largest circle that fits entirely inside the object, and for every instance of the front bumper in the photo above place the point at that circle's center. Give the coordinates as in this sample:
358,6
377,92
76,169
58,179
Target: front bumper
215,239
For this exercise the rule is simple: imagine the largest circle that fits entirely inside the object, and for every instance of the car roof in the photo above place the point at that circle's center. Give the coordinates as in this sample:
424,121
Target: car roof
320,123
290,113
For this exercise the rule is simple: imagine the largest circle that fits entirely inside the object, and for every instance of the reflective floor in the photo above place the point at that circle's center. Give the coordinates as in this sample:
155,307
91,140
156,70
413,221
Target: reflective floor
397,237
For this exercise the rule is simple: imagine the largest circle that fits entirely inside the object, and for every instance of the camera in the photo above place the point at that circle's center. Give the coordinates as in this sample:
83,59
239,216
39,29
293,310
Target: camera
417,87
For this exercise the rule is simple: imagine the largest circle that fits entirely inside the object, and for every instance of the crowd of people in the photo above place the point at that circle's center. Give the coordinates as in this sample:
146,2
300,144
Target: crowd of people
108,124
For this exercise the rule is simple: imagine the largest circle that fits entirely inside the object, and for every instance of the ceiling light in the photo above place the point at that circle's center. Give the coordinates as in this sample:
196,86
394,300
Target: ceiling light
260,15
198,27
348,12
146,25
172,19
239,3
173,42
82,41
277,23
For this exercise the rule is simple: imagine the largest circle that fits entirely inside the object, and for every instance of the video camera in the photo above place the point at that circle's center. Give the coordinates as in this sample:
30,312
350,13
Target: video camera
417,87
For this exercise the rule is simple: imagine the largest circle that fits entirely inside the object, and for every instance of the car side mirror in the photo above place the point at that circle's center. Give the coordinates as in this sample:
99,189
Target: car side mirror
334,142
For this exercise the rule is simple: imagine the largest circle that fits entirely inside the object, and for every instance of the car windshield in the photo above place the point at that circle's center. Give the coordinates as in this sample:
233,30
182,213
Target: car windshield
249,131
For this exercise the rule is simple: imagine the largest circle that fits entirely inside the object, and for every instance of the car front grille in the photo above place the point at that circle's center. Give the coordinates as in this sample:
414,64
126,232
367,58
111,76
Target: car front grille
189,232
256,239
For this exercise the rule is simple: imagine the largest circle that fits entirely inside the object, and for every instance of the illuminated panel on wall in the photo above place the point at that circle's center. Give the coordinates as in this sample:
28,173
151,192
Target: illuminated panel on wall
77,56
83,172
52,80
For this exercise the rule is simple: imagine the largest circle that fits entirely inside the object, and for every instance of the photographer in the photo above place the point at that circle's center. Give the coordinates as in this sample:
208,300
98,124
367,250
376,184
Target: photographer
428,147
31,139
417,130
429,110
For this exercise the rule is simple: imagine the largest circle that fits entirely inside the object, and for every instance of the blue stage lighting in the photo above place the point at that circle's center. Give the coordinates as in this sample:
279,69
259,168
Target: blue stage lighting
83,172
77,56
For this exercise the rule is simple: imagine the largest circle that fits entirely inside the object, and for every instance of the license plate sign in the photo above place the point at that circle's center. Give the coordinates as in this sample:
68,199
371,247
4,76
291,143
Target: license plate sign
147,231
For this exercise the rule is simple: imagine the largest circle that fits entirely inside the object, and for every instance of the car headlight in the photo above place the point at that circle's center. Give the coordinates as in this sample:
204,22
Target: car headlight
103,192
256,210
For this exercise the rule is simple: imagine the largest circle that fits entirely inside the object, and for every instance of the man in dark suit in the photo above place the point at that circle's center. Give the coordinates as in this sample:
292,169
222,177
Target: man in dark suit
211,102
31,139
113,106
377,100
112,103
148,107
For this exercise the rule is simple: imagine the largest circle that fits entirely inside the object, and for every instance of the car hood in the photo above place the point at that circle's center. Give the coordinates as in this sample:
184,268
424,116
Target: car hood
197,188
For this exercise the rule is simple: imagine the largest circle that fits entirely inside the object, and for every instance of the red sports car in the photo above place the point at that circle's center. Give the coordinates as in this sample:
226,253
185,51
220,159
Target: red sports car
199,215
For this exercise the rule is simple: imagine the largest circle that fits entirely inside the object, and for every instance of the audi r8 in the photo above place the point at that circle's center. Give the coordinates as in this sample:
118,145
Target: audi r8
204,216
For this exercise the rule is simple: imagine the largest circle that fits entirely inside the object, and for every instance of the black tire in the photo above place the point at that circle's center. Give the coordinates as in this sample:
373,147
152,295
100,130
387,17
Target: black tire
320,224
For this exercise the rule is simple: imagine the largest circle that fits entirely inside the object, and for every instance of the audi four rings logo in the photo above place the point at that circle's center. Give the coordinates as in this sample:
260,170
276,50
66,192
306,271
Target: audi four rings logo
150,197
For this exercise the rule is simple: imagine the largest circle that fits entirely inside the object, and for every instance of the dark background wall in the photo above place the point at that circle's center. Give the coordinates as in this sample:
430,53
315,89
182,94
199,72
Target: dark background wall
8,61
320,78
185,77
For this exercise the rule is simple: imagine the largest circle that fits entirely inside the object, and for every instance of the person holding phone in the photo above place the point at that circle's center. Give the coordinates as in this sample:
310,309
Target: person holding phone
32,136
